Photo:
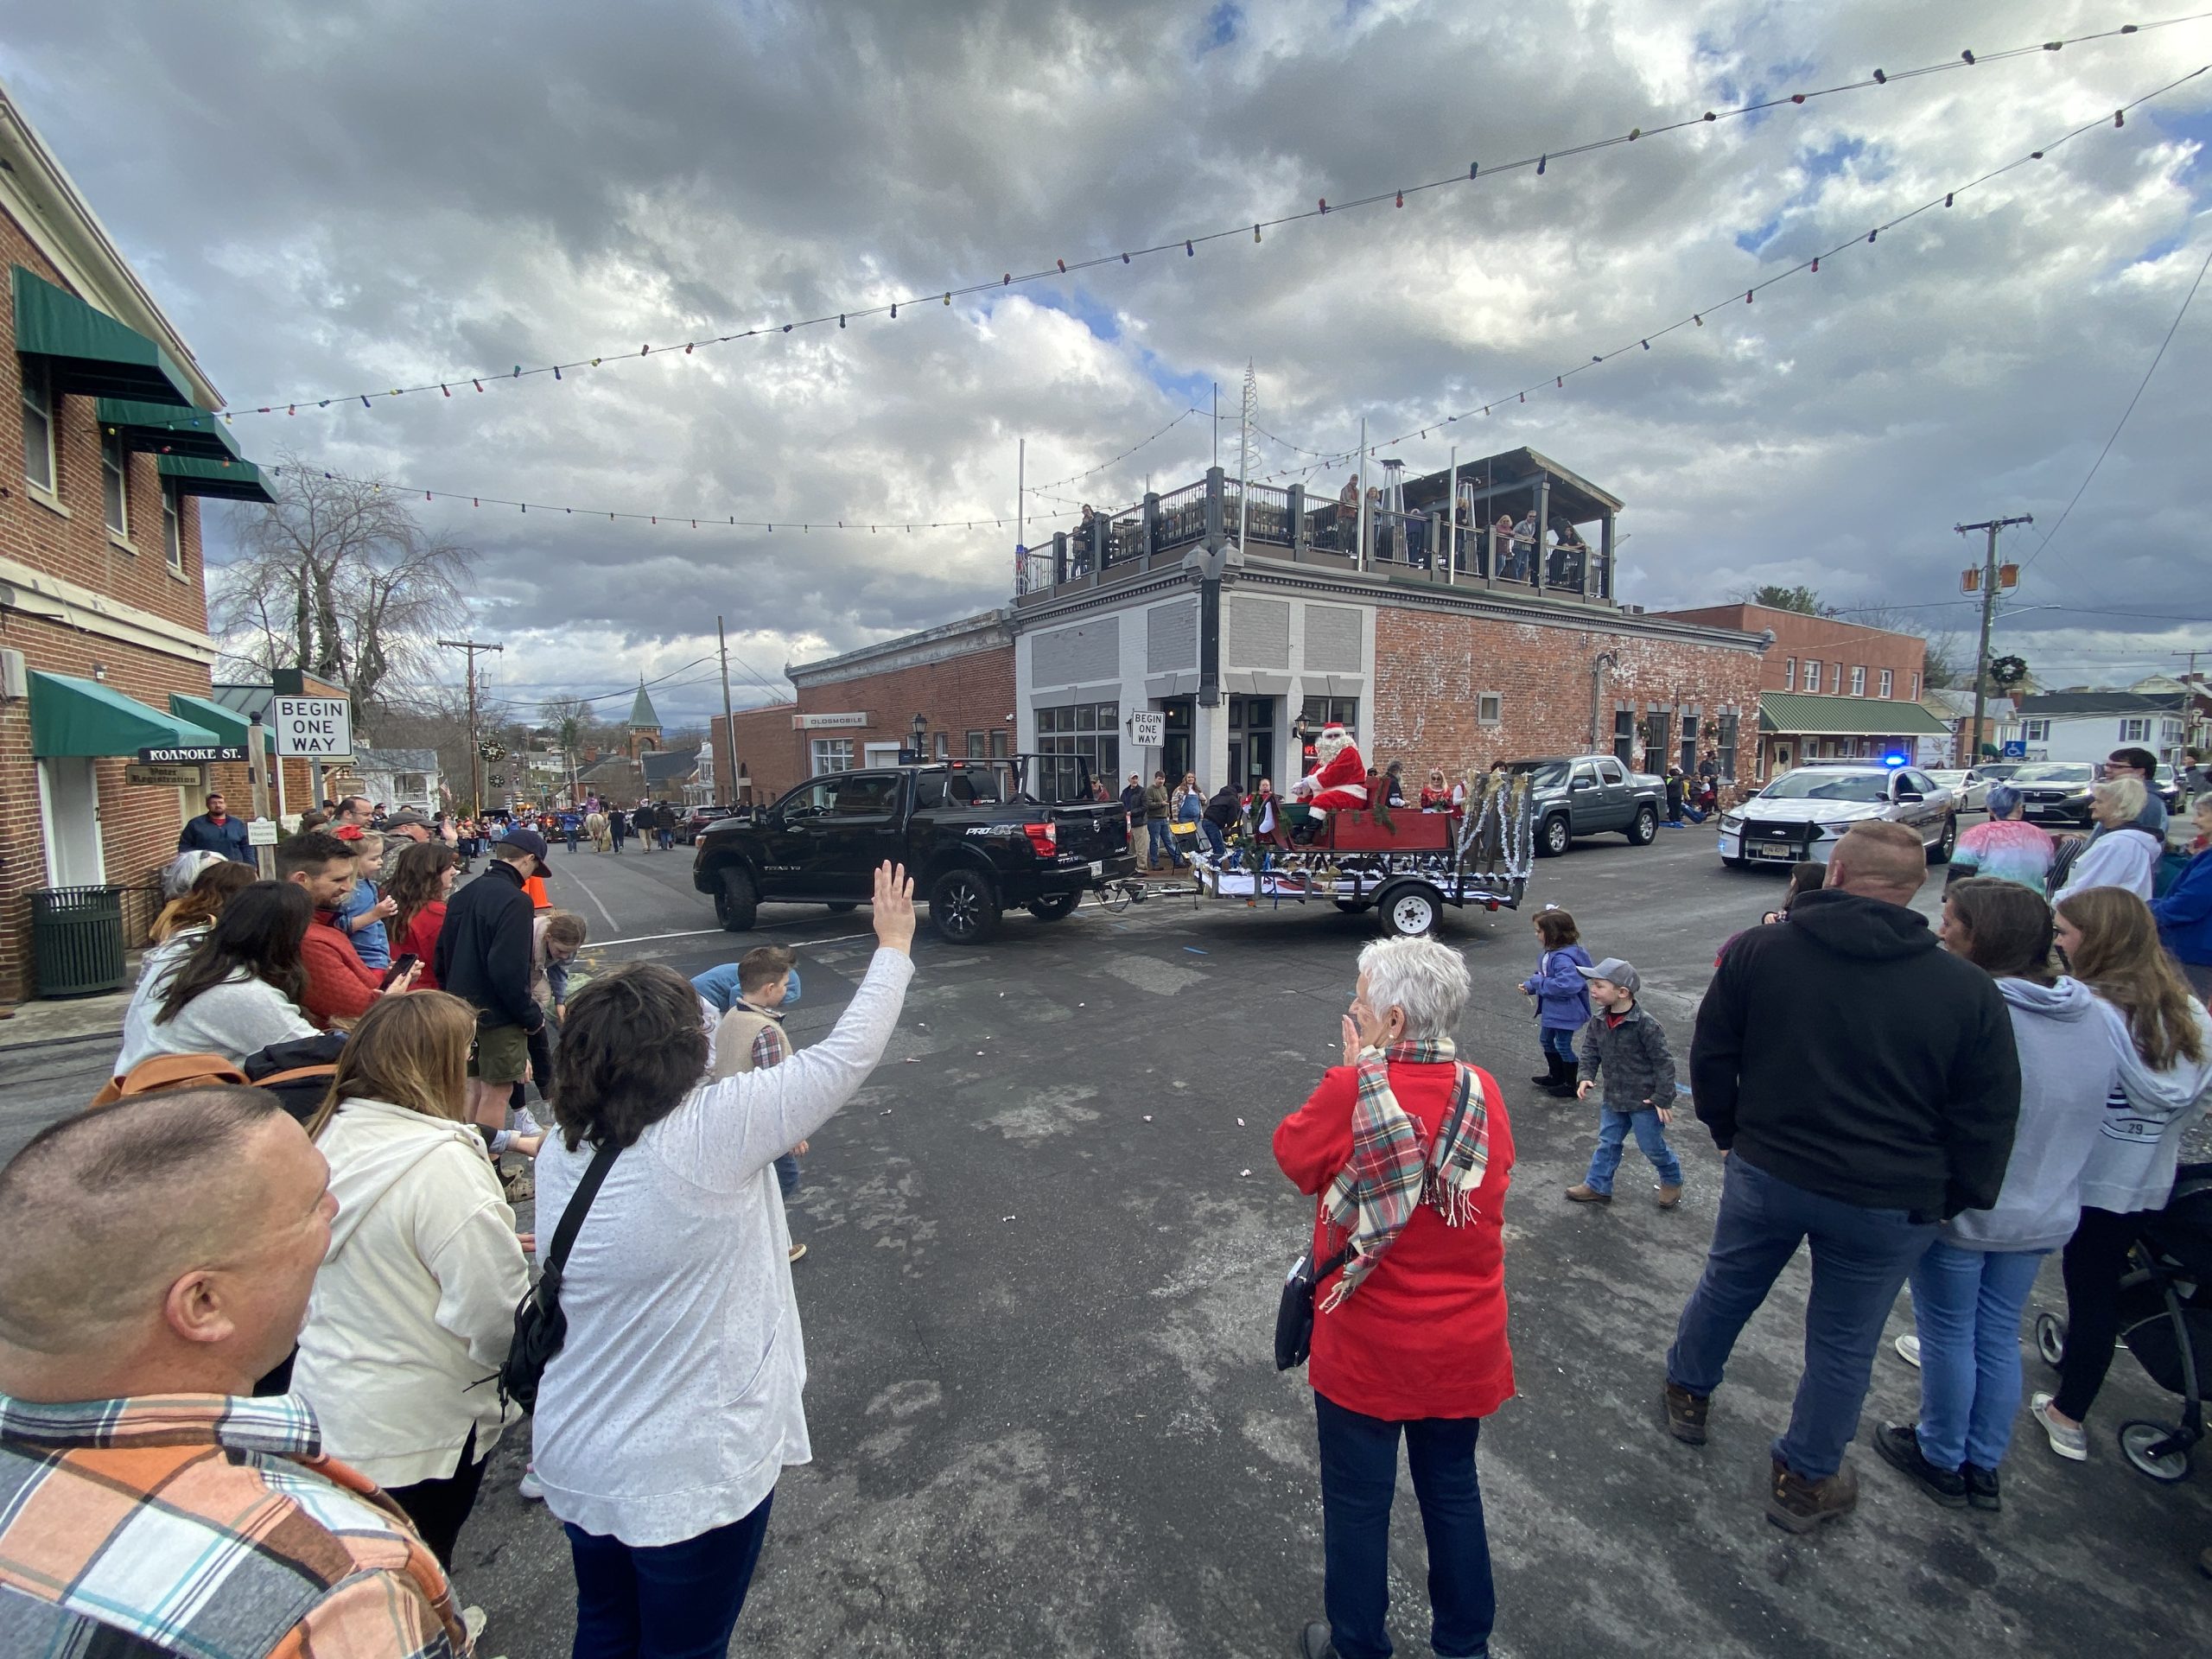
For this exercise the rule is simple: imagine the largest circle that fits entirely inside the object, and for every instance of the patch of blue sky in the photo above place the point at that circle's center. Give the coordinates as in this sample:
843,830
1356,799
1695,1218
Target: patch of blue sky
1190,390
1221,26
2189,126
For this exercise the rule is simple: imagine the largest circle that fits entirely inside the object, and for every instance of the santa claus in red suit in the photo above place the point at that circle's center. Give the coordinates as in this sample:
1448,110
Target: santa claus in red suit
1340,781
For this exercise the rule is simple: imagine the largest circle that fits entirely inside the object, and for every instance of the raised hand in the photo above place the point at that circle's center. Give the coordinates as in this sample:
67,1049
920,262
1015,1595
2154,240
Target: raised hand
893,905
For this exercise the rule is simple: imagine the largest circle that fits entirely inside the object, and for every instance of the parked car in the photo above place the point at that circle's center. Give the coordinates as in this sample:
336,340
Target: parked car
2167,787
974,838
1802,814
1591,795
1970,789
689,827
2055,791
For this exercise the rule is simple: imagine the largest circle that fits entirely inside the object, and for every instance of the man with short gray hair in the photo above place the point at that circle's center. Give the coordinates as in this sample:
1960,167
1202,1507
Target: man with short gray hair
1863,1084
155,1258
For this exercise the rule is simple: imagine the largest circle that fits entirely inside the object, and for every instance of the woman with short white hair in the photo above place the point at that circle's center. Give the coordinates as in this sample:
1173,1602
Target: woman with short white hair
1408,1149
2121,853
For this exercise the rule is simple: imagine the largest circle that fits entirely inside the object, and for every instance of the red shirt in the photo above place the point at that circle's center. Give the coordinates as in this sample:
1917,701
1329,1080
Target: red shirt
1424,1335
421,940
339,987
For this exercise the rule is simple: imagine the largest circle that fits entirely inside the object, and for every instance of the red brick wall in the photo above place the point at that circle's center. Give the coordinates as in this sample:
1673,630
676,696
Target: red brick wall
138,826
969,693
1824,640
1431,668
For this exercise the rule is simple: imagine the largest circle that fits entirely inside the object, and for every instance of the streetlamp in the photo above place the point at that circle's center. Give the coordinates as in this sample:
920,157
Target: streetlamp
921,737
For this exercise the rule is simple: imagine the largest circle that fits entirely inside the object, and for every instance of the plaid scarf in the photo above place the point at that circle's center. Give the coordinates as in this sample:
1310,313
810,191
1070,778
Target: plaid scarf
1374,1195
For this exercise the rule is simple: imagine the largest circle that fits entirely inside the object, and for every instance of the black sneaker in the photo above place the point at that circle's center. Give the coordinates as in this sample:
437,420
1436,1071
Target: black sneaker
1899,1445
1982,1486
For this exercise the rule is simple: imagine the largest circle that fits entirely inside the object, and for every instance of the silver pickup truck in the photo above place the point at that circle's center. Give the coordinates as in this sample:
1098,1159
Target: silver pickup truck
1591,795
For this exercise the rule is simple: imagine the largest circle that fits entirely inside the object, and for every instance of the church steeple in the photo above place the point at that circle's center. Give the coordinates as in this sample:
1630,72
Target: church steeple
644,724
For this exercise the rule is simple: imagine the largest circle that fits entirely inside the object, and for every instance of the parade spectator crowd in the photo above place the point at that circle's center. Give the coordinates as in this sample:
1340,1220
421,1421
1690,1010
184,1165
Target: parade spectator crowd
281,1335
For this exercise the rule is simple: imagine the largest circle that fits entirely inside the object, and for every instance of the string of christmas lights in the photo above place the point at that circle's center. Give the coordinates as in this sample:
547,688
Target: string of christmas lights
1091,472
1475,173
1695,320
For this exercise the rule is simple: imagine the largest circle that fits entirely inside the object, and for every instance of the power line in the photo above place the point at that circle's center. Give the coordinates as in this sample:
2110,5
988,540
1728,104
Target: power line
1189,243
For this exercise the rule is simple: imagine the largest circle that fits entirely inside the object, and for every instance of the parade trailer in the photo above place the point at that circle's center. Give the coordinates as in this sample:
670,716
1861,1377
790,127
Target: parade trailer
1404,864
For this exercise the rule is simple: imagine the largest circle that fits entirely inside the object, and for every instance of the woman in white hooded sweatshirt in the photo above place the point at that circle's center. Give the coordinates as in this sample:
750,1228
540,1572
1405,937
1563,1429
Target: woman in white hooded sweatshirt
663,1424
1968,1289
414,1305
2163,1042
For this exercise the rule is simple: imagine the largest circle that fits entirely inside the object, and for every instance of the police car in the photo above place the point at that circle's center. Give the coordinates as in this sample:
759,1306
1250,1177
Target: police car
1802,814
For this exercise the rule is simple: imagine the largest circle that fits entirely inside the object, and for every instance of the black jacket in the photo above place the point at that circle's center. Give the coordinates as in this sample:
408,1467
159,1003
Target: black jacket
1844,1053
484,949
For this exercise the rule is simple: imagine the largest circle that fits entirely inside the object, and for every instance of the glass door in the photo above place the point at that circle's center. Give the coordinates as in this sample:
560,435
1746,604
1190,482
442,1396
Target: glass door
1176,751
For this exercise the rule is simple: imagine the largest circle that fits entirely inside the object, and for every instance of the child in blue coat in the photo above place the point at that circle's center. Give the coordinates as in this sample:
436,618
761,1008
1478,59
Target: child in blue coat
1562,998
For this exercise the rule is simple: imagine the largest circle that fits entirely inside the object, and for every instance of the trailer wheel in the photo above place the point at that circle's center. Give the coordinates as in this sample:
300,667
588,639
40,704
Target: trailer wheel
1411,912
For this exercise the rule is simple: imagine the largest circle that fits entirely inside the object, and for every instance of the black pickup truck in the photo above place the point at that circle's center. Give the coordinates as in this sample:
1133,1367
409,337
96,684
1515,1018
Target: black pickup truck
972,835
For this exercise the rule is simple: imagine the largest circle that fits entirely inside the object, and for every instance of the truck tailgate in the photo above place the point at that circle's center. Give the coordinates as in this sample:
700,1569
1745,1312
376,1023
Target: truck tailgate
1091,832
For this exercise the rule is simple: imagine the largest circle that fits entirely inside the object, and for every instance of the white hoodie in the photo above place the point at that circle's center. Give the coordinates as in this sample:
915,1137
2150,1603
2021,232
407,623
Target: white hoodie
415,1305
2132,1167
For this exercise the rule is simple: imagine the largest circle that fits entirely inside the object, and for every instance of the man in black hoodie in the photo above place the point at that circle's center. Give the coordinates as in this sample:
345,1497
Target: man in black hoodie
1863,1084
483,958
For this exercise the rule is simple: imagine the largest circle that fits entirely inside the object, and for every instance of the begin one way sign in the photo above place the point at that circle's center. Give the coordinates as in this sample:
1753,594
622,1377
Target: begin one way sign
315,727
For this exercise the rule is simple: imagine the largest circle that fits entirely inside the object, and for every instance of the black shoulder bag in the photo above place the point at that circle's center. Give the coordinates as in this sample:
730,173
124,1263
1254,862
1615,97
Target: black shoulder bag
1294,1313
541,1328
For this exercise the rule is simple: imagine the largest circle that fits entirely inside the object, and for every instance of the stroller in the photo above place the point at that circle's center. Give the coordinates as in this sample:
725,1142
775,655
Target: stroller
2166,1302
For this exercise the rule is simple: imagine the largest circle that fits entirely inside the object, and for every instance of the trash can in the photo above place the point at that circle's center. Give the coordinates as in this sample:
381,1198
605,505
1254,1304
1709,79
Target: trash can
77,940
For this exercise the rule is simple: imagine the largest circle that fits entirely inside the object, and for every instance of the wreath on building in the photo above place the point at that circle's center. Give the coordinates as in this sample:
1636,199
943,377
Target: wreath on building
2005,672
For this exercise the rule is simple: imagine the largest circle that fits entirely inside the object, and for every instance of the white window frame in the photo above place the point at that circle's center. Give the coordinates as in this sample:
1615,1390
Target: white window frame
831,754
1489,709
173,526
1889,682
115,485
1916,685
38,400
2135,729
2034,731
1789,674
1859,681
1812,674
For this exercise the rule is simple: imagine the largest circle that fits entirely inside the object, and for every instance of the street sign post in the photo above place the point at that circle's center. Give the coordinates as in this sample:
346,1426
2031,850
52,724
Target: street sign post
318,728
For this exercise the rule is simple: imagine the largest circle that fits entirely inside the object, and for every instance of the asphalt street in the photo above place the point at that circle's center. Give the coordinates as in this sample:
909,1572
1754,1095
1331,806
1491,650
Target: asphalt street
1046,1241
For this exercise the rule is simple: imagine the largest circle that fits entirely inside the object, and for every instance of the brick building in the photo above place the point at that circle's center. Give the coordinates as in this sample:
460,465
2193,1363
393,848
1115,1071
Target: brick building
106,446
1434,643
861,709
1833,691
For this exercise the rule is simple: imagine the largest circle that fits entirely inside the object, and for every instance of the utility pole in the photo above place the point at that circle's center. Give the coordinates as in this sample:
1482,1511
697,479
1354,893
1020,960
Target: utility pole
729,720
475,757
1988,615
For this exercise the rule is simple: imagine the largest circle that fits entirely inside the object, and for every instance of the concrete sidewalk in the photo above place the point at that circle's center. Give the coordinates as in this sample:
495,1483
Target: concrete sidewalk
61,1019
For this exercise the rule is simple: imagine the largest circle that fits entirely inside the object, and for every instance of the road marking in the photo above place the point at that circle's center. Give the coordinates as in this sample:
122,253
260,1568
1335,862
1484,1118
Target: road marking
571,875
704,932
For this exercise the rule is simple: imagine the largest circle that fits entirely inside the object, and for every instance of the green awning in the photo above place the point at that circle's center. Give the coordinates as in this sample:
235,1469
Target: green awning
83,717
234,481
165,429
1793,714
228,725
88,352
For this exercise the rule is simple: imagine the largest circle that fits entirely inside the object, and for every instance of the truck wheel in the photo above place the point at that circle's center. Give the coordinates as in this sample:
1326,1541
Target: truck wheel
1645,829
843,910
1411,912
738,900
1555,837
964,907
1053,908
1941,852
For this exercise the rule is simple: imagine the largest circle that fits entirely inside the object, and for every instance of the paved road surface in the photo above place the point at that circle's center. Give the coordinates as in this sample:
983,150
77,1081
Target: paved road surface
1040,1292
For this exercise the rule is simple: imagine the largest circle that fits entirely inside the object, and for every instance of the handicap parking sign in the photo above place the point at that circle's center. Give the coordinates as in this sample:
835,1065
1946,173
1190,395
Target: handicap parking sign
2017,749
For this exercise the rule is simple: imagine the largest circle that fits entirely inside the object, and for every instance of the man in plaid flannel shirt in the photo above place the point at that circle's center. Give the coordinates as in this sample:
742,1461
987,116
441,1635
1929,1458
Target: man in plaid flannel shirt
155,1257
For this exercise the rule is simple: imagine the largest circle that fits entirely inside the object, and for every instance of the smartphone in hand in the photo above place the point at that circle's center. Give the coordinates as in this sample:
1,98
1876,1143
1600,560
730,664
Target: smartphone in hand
401,967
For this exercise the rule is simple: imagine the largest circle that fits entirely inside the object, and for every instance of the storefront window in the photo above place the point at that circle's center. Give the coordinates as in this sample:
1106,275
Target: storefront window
1728,746
1088,731
833,755
1623,736
1251,740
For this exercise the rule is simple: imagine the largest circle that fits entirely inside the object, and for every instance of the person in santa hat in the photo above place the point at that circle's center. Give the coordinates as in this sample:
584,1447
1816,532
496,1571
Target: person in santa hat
1340,781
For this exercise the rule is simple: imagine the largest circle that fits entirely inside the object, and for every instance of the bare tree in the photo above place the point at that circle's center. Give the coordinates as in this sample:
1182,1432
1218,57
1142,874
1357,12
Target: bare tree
339,580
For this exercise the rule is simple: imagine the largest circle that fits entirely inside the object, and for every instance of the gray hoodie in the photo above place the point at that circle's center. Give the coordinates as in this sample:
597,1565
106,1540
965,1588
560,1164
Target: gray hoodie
2139,1144
2067,1070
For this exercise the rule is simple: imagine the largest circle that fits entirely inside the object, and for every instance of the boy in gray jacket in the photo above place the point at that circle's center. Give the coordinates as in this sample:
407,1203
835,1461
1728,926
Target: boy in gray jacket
1625,1048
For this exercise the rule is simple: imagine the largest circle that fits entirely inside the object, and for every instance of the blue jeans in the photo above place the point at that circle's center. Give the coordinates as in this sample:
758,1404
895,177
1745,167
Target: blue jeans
787,1174
1162,841
1215,839
1860,1258
1559,1043
1651,1136
1965,1305
664,1601
1359,1476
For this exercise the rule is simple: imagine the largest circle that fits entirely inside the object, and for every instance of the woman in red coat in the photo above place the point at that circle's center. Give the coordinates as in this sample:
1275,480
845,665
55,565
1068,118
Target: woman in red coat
420,883
1408,1149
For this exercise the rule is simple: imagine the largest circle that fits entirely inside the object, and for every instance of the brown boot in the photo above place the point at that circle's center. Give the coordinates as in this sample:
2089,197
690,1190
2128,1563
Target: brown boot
1670,1194
1583,1193
1797,1505
1686,1414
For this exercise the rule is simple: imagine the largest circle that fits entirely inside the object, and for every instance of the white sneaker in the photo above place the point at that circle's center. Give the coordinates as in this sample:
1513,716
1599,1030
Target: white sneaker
472,1620
2070,1442
529,1488
1909,1350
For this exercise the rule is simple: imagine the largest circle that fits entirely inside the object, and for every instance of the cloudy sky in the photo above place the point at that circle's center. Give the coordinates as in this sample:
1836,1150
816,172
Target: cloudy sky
329,199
